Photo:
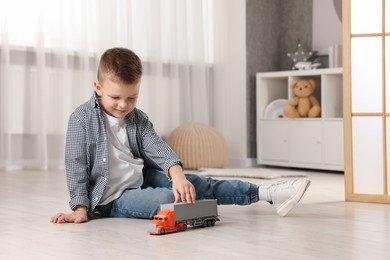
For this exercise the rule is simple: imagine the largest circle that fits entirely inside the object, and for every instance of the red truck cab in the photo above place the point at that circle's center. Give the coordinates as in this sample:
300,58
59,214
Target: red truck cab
164,222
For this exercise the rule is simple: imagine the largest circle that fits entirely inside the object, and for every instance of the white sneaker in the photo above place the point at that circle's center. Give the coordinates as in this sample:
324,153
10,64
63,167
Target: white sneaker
285,195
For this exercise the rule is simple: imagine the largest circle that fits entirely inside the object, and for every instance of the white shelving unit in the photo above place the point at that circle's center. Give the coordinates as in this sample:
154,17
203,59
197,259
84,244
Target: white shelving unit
315,143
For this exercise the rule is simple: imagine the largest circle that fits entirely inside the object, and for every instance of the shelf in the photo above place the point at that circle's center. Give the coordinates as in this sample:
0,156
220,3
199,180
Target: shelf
292,73
276,85
301,142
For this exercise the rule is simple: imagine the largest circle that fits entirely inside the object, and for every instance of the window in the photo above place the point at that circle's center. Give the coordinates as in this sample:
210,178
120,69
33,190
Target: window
179,30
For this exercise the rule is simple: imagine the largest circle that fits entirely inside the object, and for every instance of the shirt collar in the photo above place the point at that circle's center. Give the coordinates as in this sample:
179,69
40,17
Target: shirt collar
94,100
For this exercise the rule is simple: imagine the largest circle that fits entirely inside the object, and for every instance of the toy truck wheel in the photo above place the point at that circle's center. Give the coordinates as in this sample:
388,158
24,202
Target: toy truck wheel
184,227
162,231
178,228
213,222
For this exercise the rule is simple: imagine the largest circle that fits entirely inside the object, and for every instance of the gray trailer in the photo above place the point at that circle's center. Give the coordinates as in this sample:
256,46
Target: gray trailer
202,213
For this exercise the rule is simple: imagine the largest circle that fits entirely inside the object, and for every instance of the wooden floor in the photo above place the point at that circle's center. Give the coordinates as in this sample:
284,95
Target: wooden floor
322,226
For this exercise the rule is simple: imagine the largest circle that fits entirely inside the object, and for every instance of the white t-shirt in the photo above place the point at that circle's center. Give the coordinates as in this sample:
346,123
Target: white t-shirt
124,170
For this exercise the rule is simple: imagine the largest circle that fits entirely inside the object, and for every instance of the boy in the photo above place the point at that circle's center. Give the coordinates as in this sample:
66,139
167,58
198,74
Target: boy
118,166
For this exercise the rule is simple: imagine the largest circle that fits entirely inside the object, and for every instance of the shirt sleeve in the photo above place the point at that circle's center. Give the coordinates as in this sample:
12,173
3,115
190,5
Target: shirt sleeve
76,162
155,148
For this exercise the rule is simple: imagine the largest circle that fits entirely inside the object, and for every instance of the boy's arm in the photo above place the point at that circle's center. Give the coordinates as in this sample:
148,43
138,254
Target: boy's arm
76,163
154,150
76,173
161,154
183,190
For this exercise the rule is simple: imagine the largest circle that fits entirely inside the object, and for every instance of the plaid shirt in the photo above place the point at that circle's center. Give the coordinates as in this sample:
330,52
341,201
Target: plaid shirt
86,151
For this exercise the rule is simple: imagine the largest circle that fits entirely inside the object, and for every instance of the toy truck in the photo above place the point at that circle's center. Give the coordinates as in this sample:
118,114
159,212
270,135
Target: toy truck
175,217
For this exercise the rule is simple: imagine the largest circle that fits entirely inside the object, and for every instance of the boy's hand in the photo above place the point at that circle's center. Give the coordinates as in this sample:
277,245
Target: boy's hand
79,215
183,190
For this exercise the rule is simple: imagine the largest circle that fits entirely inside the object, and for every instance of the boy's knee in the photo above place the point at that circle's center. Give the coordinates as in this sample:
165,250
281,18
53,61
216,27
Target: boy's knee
195,179
166,196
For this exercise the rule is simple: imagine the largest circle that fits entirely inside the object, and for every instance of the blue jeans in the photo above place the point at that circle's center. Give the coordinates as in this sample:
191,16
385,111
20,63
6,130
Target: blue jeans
156,189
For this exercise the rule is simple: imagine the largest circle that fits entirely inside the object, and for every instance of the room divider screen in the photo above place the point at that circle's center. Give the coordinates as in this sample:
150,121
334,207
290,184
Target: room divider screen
366,32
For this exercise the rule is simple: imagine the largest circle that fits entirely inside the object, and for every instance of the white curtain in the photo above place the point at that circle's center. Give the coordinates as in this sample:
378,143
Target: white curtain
49,50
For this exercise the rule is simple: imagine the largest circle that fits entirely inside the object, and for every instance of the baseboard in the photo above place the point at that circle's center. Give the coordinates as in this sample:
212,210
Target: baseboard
242,163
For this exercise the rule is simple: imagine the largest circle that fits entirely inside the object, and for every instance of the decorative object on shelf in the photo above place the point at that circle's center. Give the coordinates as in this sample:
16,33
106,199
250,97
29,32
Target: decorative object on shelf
303,104
275,109
307,65
301,58
335,56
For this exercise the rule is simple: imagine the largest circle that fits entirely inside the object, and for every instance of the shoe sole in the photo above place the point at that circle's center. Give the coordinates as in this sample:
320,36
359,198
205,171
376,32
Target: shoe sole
288,205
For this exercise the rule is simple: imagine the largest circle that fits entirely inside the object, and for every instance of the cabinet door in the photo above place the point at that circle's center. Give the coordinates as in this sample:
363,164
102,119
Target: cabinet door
273,140
333,142
306,141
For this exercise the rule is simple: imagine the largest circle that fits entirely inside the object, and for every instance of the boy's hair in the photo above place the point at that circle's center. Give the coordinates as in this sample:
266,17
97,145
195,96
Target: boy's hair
119,64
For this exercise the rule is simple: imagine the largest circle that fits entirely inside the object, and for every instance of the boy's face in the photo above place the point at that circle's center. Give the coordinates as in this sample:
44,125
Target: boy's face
117,99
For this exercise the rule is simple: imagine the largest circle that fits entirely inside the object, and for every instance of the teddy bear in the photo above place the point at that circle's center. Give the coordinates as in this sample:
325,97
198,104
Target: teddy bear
303,104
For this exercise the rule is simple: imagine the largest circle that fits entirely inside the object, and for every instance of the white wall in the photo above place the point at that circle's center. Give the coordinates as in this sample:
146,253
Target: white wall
230,78
327,28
